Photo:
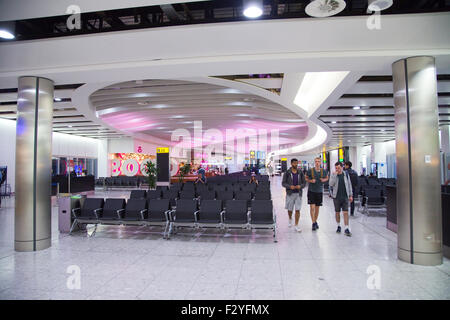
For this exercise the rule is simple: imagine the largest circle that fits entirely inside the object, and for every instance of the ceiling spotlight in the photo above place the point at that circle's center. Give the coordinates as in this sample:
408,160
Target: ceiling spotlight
379,5
324,8
356,108
7,30
58,99
143,103
253,8
333,122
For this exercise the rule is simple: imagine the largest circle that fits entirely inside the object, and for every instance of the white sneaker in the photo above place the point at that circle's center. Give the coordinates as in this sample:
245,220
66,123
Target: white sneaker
290,223
297,228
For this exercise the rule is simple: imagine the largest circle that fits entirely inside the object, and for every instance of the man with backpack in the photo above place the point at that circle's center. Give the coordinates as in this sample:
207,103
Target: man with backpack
316,177
294,182
342,194
354,179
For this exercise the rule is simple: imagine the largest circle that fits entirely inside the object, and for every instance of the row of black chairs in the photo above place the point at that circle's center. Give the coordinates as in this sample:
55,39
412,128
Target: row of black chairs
174,195
188,213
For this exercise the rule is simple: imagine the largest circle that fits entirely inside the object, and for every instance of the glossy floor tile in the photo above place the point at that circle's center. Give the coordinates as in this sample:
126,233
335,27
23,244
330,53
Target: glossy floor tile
136,263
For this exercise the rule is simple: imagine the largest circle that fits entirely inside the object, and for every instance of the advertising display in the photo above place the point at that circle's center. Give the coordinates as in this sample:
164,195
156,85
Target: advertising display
128,164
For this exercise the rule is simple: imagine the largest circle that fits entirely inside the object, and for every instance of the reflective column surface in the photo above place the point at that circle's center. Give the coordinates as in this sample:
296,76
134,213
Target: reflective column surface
419,211
33,164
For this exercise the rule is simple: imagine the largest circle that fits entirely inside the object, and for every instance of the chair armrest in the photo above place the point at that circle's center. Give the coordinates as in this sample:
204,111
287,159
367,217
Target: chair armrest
222,213
142,212
74,215
196,215
172,214
248,216
119,213
96,212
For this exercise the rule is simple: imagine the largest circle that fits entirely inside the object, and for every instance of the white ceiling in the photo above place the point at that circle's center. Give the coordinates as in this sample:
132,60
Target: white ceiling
159,107
279,46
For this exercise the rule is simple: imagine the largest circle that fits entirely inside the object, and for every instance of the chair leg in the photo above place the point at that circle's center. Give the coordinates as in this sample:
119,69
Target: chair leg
93,232
166,228
73,226
170,231
275,234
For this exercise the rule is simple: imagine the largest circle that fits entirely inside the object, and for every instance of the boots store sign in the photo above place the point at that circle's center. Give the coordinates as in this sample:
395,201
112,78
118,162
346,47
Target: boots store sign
128,164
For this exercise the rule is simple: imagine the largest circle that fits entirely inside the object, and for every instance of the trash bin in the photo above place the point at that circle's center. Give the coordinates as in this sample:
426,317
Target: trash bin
67,202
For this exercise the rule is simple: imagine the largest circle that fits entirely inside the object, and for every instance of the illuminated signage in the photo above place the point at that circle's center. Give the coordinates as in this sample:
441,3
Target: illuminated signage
128,164
341,155
324,157
252,154
162,150
283,159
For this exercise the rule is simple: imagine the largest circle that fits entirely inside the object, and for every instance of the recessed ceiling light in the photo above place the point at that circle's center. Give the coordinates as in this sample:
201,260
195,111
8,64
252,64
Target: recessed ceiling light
241,115
253,8
5,34
333,122
161,128
143,103
70,126
356,108
178,117
379,5
58,99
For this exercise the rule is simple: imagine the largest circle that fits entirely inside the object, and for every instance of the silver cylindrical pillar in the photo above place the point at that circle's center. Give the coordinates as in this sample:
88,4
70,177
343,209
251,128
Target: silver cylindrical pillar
419,214
33,164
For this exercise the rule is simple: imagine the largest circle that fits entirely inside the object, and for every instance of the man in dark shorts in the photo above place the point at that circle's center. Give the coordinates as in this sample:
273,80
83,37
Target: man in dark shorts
316,177
342,194
354,179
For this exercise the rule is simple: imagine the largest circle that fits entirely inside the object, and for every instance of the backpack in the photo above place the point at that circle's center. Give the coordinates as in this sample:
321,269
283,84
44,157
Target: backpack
321,173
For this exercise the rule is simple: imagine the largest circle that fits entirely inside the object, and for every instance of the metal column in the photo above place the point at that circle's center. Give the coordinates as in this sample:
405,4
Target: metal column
33,164
419,214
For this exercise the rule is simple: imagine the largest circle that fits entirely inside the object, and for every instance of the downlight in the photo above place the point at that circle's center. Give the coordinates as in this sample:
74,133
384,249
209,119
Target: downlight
324,8
253,8
379,5
5,34
7,30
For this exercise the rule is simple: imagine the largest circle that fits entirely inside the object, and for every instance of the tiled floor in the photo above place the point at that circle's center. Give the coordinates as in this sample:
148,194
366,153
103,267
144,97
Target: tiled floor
136,263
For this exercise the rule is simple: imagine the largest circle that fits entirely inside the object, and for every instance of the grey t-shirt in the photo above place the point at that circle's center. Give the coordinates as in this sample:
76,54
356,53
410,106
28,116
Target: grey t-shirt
318,185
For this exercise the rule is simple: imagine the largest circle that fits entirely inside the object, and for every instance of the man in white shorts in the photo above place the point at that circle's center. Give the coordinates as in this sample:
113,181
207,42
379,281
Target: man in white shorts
294,182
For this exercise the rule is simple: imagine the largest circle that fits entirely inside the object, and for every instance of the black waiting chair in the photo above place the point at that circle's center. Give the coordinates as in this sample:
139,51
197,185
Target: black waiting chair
153,194
210,213
263,196
207,195
373,198
138,194
113,209
91,209
184,215
187,194
220,188
236,214
262,216
135,210
158,214
225,196
244,195
171,194
90,212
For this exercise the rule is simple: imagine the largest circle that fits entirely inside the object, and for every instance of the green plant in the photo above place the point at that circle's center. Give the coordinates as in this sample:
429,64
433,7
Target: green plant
151,171
184,170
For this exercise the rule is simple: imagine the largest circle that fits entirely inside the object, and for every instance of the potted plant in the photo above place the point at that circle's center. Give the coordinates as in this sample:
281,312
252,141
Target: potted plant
151,171
184,170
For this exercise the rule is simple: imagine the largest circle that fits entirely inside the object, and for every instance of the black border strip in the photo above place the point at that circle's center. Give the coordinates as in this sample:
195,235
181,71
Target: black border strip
411,226
36,119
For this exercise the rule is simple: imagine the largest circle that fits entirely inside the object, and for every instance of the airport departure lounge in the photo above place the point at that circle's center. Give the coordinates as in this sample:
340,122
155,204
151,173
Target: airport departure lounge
225,150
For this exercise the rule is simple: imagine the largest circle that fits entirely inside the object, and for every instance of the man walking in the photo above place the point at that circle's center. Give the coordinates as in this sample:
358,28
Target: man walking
342,193
294,182
316,178
354,179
